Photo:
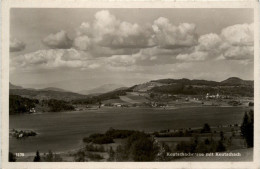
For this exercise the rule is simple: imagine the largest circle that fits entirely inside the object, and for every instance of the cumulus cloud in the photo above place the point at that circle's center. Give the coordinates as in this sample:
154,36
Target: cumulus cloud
108,31
48,59
239,35
209,42
109,43
70,58
121,60
59,40
16,45
73,58
168,35
84,29
157,51
233,43
99,51
196,56
82,43
239,53
239,42
107,36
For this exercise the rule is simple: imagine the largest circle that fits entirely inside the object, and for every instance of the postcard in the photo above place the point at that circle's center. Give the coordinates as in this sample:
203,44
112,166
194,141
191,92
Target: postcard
127,84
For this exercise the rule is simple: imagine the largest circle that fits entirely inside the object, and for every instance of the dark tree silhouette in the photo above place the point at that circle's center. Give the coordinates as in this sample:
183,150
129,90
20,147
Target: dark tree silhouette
222,136
37,158
111,153
250,104
247,128
12,157
206,128
221,147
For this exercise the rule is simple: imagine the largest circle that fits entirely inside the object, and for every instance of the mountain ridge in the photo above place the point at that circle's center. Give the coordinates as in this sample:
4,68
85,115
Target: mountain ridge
232,85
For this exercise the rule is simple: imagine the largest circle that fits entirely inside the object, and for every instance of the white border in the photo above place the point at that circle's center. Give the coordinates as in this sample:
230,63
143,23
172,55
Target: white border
7,4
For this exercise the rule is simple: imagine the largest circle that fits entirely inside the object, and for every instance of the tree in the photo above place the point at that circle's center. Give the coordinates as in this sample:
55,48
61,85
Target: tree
37,158
221,147
222,136
143,149
59,105
80,156
247,128
121,154
12,157
152,95
162,154
51,157
188,147
111,154
138,147
99,104
206,141
206,128
18,104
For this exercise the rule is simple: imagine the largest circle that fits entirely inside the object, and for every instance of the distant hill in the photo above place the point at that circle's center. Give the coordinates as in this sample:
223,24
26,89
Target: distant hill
237,81
166,84
230,81
102,89
12,86
187,82
115,94
53,89
230,86
46,94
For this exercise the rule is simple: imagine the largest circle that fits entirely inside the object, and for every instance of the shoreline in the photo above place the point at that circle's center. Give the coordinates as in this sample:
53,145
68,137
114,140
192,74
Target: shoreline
74,150
152,108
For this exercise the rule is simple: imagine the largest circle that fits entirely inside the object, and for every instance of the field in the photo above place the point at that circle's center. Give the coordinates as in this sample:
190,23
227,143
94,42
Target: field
133,98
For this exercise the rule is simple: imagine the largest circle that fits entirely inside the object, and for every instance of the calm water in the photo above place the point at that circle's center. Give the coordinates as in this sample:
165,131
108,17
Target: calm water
64,131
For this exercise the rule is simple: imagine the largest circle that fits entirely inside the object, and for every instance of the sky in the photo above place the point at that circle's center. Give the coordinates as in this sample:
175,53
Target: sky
79,49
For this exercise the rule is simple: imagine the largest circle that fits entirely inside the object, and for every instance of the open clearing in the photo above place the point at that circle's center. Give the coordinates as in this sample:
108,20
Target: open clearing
133,98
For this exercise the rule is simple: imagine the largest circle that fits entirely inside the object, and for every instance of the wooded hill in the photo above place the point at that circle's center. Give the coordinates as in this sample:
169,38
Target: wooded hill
22,100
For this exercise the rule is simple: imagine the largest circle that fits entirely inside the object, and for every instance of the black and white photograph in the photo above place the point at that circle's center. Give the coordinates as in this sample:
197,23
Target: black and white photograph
131,84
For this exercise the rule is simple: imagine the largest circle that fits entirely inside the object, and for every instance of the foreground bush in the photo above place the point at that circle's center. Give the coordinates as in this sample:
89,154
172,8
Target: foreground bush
108,136
98,139
52,157
201,146
91,147
119,133
138,147
94,157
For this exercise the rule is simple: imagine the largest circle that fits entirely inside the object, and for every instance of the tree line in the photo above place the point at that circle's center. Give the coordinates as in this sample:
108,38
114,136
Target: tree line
21,105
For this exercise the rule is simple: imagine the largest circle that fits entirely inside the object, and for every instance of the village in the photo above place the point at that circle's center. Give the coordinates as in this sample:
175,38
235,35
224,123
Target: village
168,101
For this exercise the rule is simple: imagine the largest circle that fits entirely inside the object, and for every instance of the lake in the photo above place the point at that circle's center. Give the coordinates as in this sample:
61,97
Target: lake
64,131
